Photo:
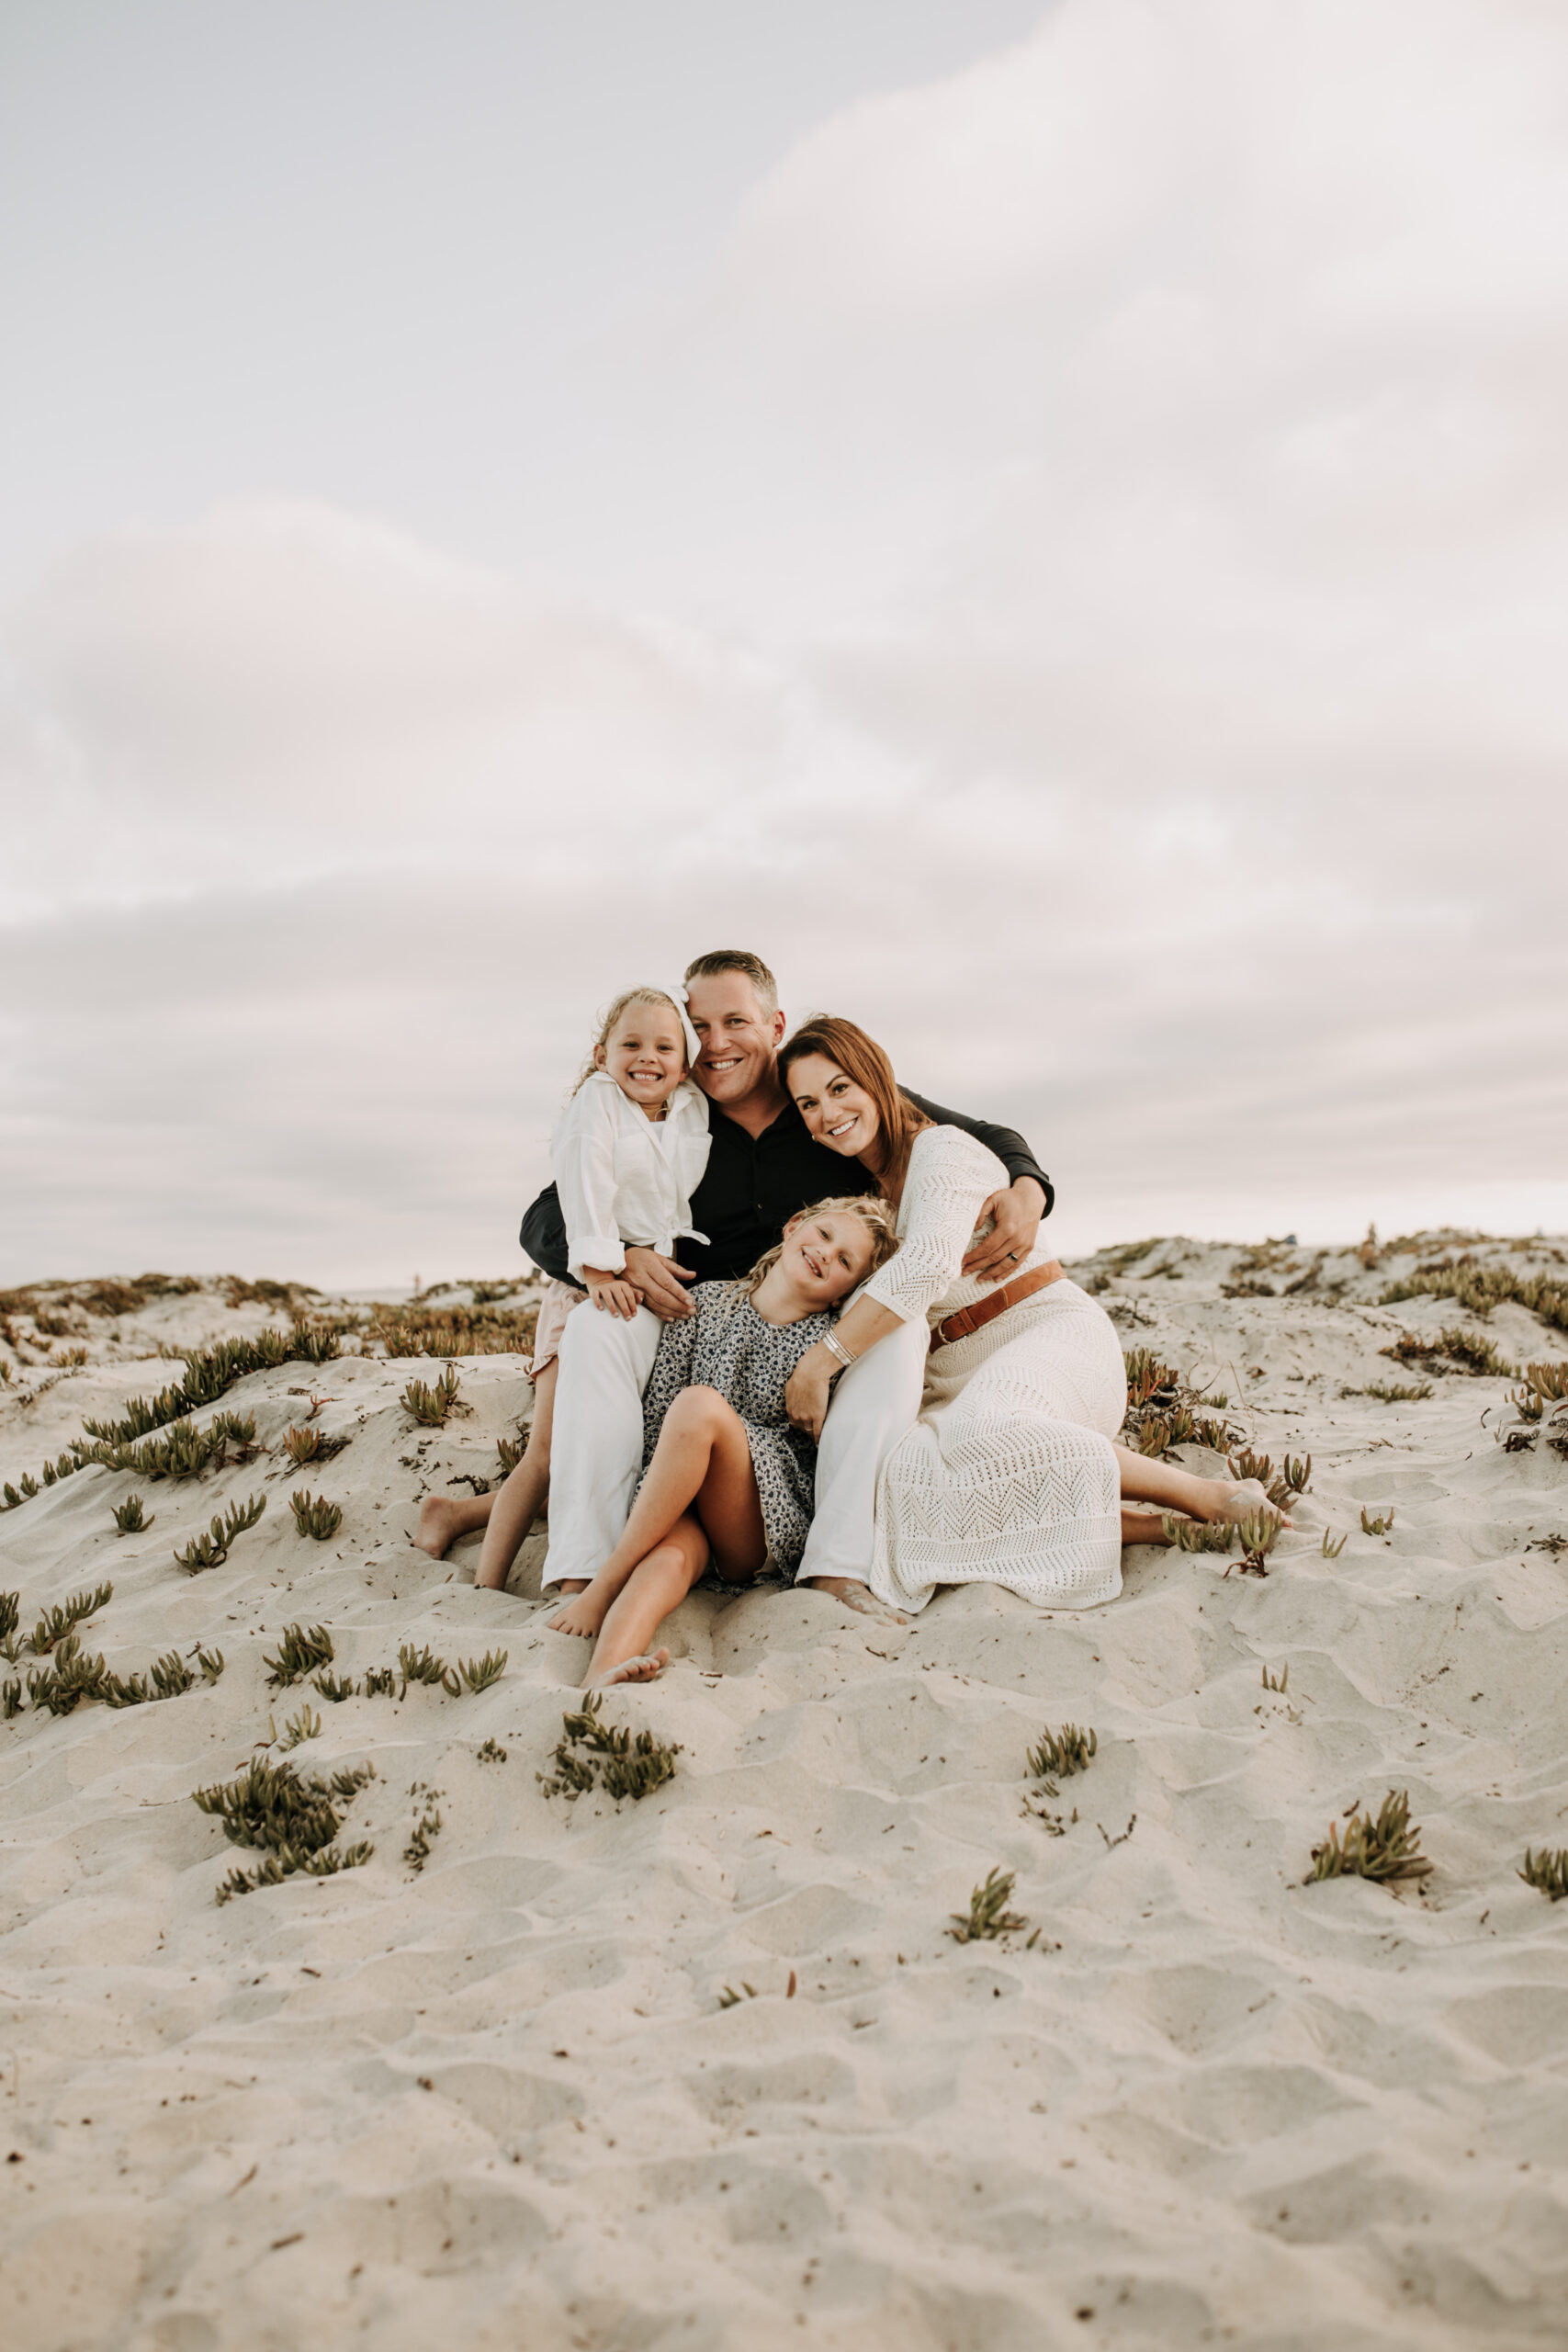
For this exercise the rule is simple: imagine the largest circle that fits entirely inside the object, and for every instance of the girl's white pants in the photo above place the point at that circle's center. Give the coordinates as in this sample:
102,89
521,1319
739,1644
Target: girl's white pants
596,1443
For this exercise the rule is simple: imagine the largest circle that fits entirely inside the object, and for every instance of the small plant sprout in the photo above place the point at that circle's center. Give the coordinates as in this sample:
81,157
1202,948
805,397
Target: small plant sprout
729,1998
509,1453
310,1444
419,1665
10,1699
492,1754
590,1748
1385,1848
1378,1523
1296,1474
1548,1870
987,1915
431,1402
56,1623
235,1428
300,1653
380,1683
1279,1682
1198,1534
1062,1753
318,1518
10,1612
300,1728
1331,1550
479,1673
210,1550
129,1516
416,1853
1259,1535
334,1687
211,1663
291,1819
1395,1392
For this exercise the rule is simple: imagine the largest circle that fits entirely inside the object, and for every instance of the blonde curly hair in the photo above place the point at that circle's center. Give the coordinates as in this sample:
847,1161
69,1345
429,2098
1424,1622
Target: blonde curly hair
874,1214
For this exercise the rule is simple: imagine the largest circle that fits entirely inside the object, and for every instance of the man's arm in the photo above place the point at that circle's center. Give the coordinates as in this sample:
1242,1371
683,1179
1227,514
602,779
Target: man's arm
1006,1142
543,1235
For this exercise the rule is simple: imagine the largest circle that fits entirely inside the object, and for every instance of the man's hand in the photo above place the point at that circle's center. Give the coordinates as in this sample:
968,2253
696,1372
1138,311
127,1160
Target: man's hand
1017,1213
610,1294
810,1384
657,1280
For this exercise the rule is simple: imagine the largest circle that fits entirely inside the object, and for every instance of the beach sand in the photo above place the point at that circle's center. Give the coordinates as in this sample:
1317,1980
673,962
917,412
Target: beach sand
704,2070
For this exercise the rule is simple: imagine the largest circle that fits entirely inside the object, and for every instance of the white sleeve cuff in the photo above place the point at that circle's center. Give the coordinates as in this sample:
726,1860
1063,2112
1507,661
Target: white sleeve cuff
603,1252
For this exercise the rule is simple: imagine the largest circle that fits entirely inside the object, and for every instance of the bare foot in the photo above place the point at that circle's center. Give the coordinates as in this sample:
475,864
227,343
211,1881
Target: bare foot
645,1668
1241,1500
440,1522
857,1595
580,1615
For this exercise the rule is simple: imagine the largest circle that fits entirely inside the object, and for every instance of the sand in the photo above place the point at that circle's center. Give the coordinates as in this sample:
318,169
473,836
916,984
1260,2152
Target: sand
555,2089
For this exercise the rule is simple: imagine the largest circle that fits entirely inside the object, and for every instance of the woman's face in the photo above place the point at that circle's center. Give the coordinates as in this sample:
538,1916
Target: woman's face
826,1254
836,1111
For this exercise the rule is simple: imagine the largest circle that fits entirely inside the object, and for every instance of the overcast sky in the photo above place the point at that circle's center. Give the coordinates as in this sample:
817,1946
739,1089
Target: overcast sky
1050,525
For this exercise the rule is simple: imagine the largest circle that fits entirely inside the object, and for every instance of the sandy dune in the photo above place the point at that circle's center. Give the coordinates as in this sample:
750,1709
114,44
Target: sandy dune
499,2101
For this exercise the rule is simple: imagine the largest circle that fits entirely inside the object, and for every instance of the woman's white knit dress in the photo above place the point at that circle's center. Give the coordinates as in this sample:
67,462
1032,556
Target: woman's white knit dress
1008,1477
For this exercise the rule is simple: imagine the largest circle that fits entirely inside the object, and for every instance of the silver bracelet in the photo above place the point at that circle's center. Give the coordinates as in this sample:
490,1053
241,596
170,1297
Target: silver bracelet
836,1347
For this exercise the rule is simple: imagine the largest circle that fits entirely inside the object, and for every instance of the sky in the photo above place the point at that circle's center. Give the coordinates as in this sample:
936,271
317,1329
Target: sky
1050,525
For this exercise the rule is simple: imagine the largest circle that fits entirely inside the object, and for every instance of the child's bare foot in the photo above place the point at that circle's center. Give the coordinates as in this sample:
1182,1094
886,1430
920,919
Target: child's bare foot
581,1615
1241,1500
440,1522
631,1669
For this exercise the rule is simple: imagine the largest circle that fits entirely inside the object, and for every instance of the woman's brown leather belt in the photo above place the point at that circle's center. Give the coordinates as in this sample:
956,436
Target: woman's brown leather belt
986,1310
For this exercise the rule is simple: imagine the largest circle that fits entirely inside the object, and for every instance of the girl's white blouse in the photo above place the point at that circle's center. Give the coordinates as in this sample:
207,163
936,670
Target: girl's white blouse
623,1177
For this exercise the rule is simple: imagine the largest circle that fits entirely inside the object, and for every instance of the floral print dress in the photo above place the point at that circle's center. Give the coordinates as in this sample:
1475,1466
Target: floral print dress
726,1344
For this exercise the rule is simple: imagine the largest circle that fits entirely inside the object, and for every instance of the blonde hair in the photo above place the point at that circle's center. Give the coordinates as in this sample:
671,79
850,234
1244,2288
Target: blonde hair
872,1212
608,1024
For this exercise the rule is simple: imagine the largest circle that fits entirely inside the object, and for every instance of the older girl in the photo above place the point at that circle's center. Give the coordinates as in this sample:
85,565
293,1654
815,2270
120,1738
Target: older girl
1010,1475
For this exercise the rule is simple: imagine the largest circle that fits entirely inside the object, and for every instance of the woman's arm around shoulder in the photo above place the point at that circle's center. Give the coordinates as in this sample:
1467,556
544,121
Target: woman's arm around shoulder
951,1177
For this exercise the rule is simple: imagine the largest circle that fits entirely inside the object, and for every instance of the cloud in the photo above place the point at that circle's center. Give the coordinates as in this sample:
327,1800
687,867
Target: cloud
1129,680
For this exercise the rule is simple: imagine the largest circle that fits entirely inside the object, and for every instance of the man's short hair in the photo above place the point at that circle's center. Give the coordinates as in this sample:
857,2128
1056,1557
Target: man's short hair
737,959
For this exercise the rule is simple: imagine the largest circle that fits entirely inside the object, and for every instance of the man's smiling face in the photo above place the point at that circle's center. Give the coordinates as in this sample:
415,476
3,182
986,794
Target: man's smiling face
737,1038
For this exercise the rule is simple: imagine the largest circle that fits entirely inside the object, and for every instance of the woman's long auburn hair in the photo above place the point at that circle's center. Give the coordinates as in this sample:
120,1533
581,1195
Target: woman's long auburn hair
861,1058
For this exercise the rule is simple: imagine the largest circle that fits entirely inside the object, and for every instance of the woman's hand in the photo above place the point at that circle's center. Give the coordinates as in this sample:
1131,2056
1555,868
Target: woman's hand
1015,1216
810,1386
610,1294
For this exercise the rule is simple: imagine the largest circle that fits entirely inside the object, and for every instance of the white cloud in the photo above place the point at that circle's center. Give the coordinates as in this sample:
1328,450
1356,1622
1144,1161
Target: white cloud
1154,516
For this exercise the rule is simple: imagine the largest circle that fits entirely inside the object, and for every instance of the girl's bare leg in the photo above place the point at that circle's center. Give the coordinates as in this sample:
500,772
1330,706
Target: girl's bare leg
1142,1527
522,1498
656,1585
702,1460
1146,1481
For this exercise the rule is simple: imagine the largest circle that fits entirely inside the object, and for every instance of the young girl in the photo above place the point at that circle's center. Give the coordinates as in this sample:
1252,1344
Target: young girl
628,1151
725,1476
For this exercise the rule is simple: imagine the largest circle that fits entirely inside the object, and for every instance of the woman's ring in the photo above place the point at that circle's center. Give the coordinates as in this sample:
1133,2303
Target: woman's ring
1013,1255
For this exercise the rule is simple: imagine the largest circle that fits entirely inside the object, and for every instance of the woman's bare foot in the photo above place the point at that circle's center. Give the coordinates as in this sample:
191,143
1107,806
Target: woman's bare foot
857,1595
645,1668
1241,1499
440,1524
582,1614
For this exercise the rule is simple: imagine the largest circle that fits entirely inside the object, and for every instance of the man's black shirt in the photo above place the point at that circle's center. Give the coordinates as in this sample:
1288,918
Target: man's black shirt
754,1184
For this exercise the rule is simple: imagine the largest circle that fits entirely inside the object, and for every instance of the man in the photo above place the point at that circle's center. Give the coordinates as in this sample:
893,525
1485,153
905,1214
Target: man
763,1168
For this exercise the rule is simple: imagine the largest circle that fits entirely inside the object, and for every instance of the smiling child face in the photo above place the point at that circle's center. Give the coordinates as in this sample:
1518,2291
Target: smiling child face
826,1254
645,1054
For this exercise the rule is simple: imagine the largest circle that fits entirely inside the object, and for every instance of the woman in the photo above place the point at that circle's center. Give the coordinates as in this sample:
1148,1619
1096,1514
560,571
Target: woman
1010,1475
